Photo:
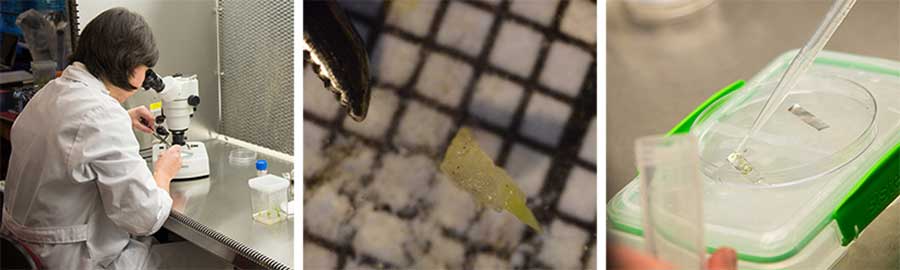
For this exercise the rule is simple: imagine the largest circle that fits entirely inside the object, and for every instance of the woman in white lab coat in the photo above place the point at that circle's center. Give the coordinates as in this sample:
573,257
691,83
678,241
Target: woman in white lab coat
78,193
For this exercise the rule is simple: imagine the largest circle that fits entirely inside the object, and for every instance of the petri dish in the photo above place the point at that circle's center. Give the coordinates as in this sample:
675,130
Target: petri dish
787,150
241,157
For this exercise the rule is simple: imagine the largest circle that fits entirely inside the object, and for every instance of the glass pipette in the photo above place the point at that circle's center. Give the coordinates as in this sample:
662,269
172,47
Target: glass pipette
799,65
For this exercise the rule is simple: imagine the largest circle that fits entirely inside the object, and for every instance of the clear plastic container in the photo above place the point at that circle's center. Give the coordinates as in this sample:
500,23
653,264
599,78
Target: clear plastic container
668,168
43,71
268,192
789,224
241,157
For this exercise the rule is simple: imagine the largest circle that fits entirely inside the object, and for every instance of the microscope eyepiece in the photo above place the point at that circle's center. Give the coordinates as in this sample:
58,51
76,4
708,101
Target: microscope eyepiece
153,81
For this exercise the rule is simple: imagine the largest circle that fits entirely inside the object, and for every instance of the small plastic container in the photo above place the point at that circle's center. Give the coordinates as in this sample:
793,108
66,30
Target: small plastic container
268,192
262,167
669,172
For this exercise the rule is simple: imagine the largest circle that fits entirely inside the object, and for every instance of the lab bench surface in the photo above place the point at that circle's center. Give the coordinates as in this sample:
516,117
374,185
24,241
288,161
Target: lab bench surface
214,213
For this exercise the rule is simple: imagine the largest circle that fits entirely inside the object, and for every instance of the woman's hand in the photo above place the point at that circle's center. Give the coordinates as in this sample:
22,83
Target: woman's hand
167,166
723,259
142,119
624,258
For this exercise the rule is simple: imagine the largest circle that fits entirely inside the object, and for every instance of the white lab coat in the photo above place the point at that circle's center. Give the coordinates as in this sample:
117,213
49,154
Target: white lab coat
78,192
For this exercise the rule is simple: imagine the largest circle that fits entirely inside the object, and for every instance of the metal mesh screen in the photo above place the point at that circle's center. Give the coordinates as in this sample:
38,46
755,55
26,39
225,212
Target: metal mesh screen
430,79
257,82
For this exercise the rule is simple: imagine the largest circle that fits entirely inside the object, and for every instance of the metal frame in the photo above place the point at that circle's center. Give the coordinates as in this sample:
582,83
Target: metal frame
72,12
234,252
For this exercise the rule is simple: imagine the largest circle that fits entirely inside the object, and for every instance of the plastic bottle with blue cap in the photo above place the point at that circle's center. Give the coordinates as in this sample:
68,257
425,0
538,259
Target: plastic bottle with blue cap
262,167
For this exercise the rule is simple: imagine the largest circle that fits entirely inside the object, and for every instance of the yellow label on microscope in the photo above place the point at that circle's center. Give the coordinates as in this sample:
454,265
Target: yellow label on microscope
155,106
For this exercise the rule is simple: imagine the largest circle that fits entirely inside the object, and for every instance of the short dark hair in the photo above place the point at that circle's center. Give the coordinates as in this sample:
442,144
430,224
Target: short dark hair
113,44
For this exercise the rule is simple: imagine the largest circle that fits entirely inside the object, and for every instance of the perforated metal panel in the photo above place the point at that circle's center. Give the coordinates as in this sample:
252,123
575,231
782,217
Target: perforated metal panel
256,58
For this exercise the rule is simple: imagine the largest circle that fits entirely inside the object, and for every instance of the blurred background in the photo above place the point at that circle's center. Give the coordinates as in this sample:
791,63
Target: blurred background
520,74
659,70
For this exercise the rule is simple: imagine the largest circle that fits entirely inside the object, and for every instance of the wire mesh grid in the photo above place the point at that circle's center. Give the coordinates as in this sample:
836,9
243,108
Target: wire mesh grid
256,45
407,99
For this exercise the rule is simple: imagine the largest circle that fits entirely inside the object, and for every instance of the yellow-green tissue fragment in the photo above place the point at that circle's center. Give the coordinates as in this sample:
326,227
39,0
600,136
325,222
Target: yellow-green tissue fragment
474,171
740,163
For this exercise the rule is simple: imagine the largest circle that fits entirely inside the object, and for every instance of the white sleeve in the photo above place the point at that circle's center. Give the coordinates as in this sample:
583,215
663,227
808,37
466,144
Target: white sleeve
110,153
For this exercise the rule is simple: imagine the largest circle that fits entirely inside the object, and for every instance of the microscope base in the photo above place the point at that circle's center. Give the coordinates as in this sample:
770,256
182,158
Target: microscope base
194,160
